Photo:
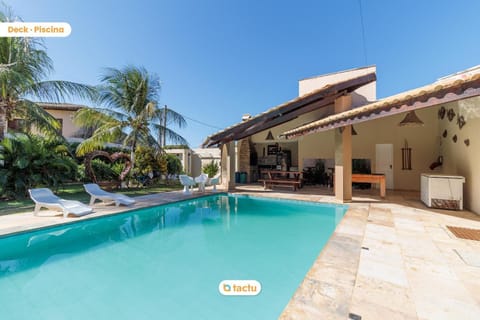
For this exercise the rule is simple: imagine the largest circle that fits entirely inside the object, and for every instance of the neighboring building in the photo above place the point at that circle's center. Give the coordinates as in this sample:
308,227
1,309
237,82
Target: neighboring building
185,157
203,156
317,126
193,160
63,112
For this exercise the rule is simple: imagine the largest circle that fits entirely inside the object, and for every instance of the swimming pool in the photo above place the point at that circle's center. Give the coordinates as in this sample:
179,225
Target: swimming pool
166,262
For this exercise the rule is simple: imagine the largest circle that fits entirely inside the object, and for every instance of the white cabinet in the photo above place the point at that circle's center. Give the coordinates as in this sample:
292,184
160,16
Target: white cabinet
442,191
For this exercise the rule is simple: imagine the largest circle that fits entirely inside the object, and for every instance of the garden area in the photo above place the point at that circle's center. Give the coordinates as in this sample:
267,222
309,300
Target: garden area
30,161
126,114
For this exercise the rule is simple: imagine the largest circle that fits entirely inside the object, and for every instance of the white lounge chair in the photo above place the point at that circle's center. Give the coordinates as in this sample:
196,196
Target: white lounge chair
44,197
201,180
214,181
96,192
187,182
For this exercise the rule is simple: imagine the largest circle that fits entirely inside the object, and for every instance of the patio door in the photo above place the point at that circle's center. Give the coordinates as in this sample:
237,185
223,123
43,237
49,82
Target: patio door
384,162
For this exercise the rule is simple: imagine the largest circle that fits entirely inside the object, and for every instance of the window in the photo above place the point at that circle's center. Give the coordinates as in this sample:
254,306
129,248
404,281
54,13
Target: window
16,125
60,131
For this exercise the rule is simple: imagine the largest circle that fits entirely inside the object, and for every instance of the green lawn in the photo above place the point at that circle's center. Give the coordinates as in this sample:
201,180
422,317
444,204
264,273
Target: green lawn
76,192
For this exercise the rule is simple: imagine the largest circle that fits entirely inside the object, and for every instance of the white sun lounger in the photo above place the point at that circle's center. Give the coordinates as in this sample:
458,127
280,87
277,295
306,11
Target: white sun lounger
96,192
44,197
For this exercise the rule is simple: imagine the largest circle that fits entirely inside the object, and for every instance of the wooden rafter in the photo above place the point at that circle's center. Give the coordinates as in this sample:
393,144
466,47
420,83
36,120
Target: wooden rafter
288,111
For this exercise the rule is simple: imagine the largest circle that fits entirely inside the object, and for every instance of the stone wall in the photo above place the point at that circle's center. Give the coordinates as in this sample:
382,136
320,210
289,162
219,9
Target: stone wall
244,147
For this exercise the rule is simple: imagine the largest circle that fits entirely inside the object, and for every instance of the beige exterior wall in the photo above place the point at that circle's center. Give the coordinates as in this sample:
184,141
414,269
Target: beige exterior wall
203,156
458,158
359,97
193,160
185,156
68,128
424,142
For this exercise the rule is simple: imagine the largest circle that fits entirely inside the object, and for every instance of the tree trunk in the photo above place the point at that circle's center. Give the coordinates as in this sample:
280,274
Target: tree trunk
132,155
3,123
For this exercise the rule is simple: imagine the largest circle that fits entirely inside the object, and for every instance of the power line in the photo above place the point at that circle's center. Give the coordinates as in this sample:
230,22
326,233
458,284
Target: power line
202,123
364,41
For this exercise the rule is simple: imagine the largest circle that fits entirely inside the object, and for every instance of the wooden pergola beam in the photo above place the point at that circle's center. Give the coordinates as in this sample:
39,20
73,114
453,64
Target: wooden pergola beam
288,107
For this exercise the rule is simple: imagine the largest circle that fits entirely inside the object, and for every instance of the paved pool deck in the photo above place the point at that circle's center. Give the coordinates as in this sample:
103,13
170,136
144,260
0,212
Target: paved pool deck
389,258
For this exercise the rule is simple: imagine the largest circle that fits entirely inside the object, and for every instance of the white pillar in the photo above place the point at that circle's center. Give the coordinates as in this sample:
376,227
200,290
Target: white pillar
228,165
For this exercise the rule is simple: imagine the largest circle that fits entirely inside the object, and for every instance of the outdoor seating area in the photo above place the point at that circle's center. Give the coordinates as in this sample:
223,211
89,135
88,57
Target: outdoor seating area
281,178
45,198
201,181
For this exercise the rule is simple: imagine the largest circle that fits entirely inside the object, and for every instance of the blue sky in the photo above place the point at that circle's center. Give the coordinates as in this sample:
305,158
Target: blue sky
219,59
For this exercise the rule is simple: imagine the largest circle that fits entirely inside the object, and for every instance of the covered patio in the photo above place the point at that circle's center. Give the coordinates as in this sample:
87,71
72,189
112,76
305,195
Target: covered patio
317,128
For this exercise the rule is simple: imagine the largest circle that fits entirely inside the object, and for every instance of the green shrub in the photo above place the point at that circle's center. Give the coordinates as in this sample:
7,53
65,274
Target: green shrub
174,165
28,161
146,161
211,169
104,171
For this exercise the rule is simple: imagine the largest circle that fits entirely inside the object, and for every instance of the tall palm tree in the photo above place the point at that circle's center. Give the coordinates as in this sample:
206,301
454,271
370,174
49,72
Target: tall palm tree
129,112
24,67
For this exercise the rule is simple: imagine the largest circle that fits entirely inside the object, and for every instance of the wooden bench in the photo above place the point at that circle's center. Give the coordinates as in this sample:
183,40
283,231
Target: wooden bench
269,183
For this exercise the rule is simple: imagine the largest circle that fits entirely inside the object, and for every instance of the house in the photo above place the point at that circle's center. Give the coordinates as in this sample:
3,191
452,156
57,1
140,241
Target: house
63,112
319,125
193,160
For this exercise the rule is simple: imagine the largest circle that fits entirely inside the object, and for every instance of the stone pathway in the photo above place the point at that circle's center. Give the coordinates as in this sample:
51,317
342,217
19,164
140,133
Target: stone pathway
391,261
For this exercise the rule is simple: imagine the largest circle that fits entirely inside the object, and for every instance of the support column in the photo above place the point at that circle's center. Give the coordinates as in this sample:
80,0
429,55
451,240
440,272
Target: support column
343,154
228,165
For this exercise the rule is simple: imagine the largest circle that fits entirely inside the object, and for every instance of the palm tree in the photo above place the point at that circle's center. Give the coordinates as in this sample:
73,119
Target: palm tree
129,113
24,67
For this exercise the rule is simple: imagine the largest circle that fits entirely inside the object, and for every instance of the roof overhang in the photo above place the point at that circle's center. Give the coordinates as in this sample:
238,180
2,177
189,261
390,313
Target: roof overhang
60,106
288,110
431,95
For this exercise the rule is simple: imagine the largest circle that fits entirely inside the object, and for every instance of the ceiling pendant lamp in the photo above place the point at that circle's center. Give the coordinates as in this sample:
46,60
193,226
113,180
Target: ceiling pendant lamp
411,119
269,136
354,132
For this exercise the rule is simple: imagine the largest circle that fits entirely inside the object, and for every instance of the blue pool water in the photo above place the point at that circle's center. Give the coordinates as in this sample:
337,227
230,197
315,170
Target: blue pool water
166,262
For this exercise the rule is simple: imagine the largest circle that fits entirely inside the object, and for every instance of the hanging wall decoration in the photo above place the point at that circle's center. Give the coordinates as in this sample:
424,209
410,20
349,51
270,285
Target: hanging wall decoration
454,138
406,157
467,142
441,112
461,121
450,114
444,133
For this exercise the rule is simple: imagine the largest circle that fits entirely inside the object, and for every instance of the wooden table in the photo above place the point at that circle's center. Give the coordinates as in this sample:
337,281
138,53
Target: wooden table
378,178
279,177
